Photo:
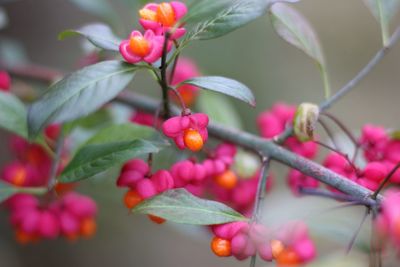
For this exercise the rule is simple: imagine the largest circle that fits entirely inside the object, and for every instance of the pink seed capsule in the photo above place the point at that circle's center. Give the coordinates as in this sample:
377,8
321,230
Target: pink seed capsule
162,180
146,188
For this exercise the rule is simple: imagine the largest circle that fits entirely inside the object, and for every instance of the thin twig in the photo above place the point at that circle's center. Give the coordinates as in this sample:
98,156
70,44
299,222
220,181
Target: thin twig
328,132
335,196
164,81
353,166
342,127
383,183
354,237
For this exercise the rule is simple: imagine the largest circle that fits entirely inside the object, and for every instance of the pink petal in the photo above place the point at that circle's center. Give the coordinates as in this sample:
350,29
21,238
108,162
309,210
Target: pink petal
179,8
127,54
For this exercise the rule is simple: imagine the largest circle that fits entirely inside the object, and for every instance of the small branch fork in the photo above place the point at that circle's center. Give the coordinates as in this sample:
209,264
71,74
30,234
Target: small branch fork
352,83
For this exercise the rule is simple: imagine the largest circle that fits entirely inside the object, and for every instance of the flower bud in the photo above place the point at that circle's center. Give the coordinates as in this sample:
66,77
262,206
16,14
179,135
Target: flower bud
305,121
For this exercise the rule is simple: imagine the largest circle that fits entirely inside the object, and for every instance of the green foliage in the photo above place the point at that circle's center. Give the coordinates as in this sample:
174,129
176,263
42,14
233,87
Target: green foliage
219,108
79,94
383,11
296,30
98,34
123,132
180,206
234,15
225,86
386,9
12,114
204,9
96,158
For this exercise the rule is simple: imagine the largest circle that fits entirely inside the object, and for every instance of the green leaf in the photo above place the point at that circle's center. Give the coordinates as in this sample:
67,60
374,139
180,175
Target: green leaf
225,86
93,159
12,114
388,8
79,94
296,30
98,34
123,132
237,14
204,9
383,11
180,206
219,108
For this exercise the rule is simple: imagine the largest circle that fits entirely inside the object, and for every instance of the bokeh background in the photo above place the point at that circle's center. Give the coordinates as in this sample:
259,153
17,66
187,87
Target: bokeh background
275,71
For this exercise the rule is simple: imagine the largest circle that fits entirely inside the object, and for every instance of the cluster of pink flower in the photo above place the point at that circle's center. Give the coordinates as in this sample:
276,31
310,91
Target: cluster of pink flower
136,175
272,123
70,216
157,20
53,215
289,246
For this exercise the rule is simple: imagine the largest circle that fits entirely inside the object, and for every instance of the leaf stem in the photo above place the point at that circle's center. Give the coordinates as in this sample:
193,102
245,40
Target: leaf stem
56,160
325,80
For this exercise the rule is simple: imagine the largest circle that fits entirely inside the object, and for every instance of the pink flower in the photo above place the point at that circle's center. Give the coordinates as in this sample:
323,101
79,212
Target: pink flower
187,131
373,140
5,81
186,69
132,172
143,118
138,47
162,17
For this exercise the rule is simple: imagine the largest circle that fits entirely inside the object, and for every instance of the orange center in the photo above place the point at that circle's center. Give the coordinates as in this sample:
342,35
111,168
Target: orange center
288,257
156,219
221,247
148,14
227,179
131,199
88,227
139,45
165,14
193,140
19,177
277,248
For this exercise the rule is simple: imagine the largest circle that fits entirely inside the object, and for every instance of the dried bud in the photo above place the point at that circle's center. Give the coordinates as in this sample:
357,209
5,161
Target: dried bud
305,121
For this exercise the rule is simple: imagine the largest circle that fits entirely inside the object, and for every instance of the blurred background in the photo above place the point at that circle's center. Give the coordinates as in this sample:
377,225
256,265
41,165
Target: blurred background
275,71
